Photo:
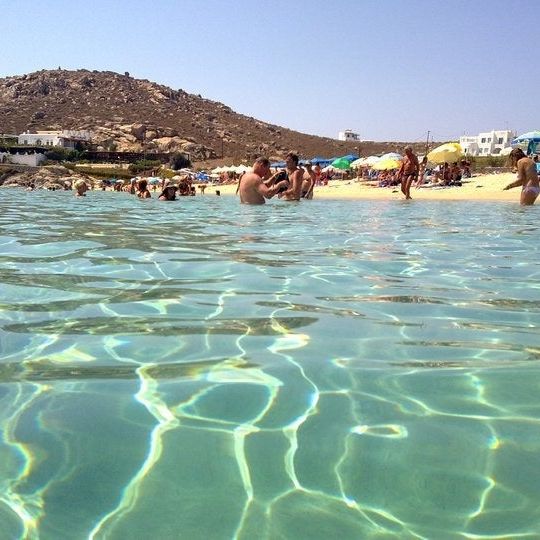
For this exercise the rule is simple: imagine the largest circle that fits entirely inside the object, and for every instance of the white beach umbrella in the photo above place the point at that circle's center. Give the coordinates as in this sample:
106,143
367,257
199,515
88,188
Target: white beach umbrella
392,155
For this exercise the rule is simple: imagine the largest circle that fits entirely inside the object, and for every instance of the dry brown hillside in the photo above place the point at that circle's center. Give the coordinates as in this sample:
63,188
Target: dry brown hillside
128,114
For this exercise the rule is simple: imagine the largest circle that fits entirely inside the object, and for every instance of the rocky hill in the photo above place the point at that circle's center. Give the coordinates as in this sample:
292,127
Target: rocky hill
127,114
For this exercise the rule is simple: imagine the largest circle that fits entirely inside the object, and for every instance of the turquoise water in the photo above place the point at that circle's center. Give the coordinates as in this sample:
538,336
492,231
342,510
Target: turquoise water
329,369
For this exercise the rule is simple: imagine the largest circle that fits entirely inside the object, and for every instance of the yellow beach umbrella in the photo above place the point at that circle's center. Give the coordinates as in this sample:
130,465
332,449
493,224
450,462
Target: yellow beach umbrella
446,152
387,164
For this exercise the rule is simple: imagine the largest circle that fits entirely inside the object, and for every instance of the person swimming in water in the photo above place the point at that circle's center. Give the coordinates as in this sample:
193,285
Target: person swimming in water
81,188
526,177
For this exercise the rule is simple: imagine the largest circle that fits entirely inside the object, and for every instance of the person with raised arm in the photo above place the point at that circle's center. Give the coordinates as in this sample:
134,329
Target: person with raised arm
526,177
256,186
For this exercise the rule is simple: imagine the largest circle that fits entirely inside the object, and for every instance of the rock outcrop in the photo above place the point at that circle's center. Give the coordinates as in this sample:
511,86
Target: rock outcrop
51,176
128,114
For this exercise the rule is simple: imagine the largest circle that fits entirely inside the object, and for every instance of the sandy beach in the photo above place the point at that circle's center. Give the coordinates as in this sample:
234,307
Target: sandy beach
488,187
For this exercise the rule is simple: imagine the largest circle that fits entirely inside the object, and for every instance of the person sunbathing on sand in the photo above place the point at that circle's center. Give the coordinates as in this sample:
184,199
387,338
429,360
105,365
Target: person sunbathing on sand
526,177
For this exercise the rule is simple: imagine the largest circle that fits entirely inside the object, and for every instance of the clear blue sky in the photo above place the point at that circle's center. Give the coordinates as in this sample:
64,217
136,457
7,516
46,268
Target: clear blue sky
388,69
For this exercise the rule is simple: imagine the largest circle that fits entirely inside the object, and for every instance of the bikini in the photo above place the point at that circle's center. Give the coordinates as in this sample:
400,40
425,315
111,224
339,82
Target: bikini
533,190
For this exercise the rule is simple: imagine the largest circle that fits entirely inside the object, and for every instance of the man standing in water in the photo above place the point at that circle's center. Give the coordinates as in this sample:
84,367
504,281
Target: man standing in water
408,171
526,177
295,176
252,186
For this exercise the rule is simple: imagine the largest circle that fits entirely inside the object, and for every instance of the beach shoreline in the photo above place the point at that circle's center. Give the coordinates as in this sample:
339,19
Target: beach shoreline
485,187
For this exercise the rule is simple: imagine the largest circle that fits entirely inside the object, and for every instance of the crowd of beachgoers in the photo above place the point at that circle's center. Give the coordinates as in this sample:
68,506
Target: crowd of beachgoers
295,180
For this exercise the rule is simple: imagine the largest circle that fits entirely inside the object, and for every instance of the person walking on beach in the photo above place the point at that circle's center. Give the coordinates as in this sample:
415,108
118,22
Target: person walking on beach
295,176
408,172
252,186
422,171
526,177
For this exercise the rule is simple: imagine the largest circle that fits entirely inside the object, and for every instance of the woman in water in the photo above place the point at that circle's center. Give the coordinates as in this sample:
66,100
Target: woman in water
526,176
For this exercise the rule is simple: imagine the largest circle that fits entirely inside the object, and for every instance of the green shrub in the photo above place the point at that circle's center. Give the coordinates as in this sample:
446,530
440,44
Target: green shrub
144,165
59,153
105,172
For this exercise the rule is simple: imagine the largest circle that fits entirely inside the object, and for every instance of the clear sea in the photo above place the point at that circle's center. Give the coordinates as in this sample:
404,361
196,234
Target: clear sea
202,369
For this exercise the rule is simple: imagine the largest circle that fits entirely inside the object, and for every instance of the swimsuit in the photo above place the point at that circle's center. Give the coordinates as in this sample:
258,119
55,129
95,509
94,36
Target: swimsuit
533,190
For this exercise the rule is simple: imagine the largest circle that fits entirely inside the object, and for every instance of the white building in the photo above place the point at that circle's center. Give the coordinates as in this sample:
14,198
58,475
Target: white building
22,158
65,138
348,135
489,143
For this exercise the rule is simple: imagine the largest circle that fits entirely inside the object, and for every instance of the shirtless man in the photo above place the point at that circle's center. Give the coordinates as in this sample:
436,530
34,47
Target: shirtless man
295,176
408,172
252,186
526,177
308,182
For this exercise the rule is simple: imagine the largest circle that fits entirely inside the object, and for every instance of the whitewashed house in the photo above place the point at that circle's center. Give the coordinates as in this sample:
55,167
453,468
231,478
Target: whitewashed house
489,143
64,138
32,159
348,135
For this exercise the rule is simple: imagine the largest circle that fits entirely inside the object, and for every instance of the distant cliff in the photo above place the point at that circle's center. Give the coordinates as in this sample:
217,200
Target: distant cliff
128,114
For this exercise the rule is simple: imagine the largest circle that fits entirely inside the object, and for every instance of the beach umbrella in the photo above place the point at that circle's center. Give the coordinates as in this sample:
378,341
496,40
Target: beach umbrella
369,161
341,163
527,137
350,157
531,139
387,164
357,163
392,155
321,161
446,152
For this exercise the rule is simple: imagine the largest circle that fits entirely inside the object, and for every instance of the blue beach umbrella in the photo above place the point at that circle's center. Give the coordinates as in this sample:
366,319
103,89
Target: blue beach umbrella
350,157
531,139
527,137
321,161
278,165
